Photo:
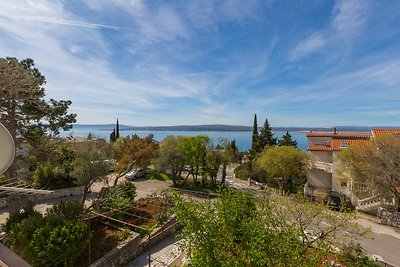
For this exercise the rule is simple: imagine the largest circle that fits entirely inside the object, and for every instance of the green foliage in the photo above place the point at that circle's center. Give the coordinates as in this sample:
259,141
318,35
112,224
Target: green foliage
49,177
374,165
287,140
243,171
119,196
89,166
117,130
19,217
113,136
159,176
254,137
212,162
173,161
194,148
68,209
49,241
241,229
23,107
266,137
3,179
285,165
238,230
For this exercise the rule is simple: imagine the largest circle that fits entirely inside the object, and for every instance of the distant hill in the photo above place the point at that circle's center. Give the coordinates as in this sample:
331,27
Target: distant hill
222,128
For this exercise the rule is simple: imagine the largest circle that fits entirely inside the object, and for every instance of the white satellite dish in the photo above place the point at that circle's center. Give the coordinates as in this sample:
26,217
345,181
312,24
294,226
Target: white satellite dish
7,149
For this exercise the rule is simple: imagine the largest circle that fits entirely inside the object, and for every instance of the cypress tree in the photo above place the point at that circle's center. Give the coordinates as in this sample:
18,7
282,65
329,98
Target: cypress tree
287,140
266,137
254,137
112,136
117,131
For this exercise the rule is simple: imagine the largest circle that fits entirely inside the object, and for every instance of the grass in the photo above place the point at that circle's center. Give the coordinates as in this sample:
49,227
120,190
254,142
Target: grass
159,176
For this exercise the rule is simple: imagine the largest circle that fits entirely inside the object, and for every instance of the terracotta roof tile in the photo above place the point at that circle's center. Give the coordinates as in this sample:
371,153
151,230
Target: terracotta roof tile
380,132
319,148
339,135
342,144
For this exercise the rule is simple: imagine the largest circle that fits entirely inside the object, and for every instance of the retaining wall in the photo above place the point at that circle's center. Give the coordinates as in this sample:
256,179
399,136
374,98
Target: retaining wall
391,218
134,246
65,192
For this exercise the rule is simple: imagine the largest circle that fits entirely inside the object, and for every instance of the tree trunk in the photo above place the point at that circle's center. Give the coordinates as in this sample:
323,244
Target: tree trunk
85,192
12,128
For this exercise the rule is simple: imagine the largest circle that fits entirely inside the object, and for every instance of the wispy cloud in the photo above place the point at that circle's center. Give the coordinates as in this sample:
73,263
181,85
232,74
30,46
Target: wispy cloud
349,17
311,44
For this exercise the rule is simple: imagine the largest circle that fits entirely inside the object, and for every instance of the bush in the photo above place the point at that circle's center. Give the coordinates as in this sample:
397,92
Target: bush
119,196
68,209
50,177
243,171
50,240
19,217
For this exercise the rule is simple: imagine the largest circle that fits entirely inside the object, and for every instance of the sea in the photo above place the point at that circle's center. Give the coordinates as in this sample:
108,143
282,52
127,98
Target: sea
243,139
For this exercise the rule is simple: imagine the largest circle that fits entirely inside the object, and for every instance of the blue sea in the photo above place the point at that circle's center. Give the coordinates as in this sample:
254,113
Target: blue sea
243,139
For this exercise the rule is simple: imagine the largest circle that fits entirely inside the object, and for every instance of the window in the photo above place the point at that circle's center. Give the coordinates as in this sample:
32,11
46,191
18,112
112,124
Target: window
344,144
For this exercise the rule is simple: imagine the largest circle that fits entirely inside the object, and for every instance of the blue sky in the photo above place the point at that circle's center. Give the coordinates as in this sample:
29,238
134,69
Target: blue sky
298,63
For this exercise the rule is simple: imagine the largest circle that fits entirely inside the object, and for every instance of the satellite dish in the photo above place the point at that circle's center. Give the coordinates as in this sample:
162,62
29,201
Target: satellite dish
7,149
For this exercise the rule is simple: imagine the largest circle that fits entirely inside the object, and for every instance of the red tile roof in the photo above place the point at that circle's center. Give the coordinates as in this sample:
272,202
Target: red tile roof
339,135
380,132
337,145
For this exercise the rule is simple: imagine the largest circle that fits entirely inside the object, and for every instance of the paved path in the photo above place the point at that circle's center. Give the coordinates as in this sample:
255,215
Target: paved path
162,254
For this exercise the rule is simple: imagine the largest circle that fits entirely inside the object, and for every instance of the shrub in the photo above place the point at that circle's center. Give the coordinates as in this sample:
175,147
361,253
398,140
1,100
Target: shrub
50,177
118,196
243,171
19,217
68,209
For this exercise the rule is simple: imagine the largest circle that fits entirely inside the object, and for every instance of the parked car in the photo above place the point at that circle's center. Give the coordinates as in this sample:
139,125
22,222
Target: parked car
336,200
136,174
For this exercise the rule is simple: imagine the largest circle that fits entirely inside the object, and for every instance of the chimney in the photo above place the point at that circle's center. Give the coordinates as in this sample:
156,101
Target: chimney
334,130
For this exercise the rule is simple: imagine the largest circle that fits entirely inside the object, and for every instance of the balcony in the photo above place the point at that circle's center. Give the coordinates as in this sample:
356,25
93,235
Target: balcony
319,165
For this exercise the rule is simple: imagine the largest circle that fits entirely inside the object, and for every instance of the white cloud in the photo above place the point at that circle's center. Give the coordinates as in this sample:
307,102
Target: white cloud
349,17
310,45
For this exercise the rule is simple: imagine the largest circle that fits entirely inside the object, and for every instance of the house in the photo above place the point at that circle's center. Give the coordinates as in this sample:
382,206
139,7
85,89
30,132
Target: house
324,147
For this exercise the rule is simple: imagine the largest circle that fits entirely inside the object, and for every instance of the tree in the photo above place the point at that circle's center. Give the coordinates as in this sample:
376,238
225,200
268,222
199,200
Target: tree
375,164
117,130
113,136
133,151
266,137
287,140
194,148
241,229
89,167
254,137
211,165
284,167
23,108
173,161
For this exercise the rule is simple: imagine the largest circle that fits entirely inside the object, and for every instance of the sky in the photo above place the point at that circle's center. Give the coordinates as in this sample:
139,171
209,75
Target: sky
298,63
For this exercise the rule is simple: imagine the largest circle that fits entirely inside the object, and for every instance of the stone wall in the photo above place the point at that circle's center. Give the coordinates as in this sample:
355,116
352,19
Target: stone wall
134,246
391,218
66,192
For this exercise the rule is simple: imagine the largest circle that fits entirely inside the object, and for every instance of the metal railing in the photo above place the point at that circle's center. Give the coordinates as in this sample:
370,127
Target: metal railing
320,165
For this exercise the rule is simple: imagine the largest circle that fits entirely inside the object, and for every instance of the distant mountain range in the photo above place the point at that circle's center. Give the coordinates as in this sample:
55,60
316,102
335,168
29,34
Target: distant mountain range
223,128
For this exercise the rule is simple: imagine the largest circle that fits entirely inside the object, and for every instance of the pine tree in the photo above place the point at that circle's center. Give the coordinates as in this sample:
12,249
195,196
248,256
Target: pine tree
113,136
117,130
266,137
254,138
287,140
